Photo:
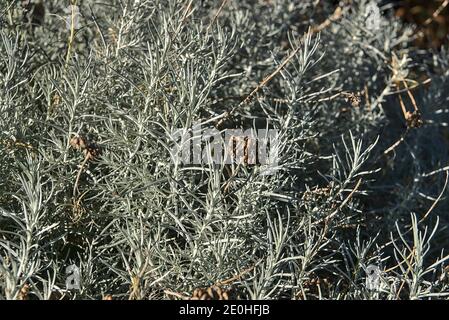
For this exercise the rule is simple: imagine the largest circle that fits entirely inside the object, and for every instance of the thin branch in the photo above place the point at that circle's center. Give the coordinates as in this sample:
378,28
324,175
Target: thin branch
412,98
437,199
396,143
346,200
223,3
176,294
436,13
334,17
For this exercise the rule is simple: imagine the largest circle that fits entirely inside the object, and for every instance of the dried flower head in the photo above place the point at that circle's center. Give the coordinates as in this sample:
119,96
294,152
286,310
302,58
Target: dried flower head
413,119
211,293
78,143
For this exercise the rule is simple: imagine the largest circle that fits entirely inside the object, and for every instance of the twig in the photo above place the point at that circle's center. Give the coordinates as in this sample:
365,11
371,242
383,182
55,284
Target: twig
412,98
83,164
218,284
334,17
338,13
330,216
404,109
345,201
396,143
436,13
415,86
176,294
236,277
72,32
223,3
367,98
399,264
437,199
431,19
187,12
422,219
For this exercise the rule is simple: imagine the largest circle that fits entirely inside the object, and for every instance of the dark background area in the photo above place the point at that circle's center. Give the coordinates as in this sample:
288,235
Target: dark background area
432,30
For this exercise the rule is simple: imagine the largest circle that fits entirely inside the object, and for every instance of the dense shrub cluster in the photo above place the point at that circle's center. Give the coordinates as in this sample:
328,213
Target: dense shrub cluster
91,92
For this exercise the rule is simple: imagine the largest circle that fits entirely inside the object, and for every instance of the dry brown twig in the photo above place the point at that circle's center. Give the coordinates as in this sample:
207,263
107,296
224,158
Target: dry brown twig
436,13
78,176
223,3
412,119
216,287
436,200
345,201
176,294
423,218
394,145
420,221
90,150
187,12
236,277
337,15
